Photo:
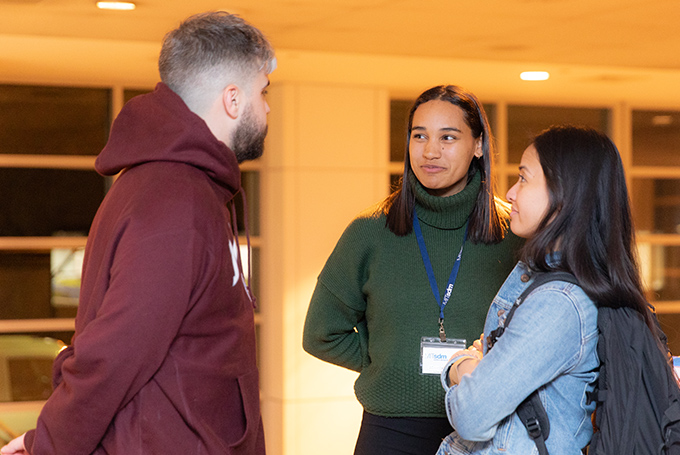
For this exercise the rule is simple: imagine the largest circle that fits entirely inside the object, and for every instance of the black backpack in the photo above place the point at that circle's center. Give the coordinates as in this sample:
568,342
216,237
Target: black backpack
637,393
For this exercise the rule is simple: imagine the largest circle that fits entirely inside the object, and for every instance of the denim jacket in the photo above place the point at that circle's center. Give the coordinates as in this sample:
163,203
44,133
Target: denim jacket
550,345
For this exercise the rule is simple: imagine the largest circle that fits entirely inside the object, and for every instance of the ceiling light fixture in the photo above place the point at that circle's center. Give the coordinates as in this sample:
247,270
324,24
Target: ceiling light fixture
118,6
534,75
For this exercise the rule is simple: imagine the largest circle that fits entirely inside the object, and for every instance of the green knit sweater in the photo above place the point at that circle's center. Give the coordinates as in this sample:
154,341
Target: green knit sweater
373,302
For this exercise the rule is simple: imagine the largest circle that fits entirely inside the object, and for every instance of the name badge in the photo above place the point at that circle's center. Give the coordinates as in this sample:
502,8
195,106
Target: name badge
435,354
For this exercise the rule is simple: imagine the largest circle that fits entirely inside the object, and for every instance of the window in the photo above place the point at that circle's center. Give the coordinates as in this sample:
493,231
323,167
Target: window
656,138
46,120
525,122
48,144
655,197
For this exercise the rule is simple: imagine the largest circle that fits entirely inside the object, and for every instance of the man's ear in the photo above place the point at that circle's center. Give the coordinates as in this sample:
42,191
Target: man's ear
231,98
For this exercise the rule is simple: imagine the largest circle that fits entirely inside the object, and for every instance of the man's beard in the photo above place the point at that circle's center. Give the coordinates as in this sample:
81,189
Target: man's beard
248,140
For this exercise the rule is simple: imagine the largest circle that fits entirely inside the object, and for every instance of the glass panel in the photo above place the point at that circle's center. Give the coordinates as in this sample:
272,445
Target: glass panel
258,346
33,287
660,269
525,122
255,285
25,286
30,378
395,182
255,262
250,181
128,94
53,120
656,205
27,363
656,138
66,266
491,114
399,110
42,202
670,324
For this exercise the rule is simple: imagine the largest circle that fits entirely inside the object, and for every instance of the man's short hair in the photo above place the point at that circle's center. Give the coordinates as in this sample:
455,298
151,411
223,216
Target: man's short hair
209,51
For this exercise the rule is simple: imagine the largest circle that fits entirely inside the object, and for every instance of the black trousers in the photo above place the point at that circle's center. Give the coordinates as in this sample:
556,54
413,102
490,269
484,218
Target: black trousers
401,435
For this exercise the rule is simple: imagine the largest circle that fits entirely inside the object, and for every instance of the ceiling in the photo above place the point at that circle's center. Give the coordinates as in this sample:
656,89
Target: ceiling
617,33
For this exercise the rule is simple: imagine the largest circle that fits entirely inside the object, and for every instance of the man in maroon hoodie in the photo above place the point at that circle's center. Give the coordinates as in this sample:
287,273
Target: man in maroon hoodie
163,356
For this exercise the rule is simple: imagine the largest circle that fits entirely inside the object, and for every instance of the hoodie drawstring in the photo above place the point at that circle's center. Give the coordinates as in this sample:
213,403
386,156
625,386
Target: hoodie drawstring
253,299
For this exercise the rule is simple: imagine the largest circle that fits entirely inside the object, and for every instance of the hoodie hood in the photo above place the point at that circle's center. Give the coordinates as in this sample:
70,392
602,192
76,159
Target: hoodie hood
159,126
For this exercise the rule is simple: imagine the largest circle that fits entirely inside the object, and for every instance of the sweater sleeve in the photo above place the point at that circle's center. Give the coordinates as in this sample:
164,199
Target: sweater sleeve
334,332
120,349
335,326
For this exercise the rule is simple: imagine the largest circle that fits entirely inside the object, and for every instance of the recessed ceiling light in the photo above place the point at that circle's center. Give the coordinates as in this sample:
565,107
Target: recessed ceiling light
119,6
534,75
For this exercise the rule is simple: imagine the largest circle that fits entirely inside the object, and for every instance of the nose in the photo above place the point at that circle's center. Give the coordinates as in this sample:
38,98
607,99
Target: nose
512,192
432,150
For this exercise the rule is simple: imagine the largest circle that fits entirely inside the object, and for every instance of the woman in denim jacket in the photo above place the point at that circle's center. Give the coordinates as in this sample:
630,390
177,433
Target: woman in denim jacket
571,203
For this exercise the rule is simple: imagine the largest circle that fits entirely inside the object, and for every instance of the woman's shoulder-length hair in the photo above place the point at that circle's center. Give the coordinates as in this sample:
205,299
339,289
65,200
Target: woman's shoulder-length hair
488,221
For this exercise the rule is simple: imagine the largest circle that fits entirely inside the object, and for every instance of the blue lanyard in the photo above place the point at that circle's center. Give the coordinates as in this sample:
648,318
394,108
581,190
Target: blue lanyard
430,272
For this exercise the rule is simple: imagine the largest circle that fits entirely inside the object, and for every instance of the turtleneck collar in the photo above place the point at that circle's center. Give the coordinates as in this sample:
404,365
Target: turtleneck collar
450,212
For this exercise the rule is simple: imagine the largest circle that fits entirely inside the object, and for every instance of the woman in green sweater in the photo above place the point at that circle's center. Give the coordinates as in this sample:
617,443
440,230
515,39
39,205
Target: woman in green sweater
410,280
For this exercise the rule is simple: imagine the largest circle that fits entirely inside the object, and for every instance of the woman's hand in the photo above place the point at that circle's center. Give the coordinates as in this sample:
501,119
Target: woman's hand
15,447
466,364
479,344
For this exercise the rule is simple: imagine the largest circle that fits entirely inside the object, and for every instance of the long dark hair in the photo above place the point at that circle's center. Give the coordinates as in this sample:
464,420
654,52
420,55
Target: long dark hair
488,221
589,218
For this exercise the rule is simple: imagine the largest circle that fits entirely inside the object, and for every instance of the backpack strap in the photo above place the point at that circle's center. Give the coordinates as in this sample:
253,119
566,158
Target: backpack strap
541,278
531,411
535,419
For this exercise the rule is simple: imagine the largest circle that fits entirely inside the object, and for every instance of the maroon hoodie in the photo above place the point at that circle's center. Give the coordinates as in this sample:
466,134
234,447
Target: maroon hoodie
163,357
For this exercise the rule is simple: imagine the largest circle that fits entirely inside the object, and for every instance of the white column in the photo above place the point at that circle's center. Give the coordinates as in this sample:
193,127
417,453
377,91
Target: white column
326,160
